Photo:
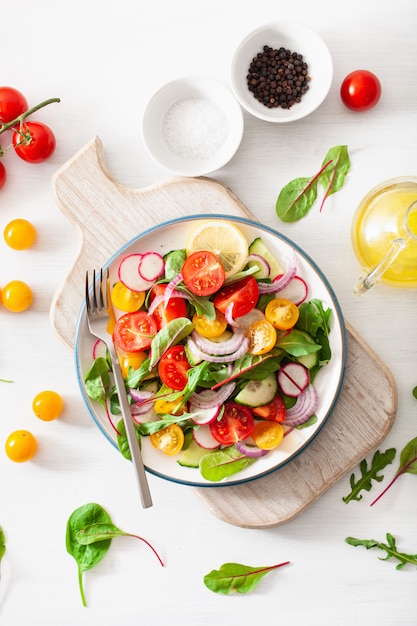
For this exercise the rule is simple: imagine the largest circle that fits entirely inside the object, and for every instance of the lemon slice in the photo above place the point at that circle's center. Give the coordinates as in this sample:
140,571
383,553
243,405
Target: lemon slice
225,240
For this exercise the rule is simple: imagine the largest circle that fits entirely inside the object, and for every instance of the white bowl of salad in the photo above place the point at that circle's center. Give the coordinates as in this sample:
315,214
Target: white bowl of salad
232,345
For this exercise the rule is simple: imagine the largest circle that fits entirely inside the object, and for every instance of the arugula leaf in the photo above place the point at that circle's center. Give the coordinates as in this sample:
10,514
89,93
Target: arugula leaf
298,196
408,465
333,176
234,577
389,547
219,464
379,461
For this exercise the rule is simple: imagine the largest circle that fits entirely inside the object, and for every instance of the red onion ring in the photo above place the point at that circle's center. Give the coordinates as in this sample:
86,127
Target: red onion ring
305,406
208,398
218,348
219,359
283,280
252,452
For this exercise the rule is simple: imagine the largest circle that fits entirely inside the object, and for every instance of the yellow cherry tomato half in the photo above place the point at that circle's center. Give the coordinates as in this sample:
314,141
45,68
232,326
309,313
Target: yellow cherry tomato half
210,328
21,446
17,296
283,314
268,435
19,234
125,299
262,337
168,440
131,359
47,405
169,407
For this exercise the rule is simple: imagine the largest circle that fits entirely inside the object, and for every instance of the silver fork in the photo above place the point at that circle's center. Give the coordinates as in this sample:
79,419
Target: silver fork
97,305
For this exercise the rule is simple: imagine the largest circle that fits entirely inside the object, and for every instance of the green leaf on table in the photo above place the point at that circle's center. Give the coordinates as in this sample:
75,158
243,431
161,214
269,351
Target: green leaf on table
234,577
336,165
368,474
298,196
86,556
408,465
390,548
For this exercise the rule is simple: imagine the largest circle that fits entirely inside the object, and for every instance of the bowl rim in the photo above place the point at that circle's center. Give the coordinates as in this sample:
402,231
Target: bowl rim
191,85
279,115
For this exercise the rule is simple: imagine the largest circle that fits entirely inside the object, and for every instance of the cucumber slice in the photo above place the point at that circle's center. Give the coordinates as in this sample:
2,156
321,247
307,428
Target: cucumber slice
190,457
258,246
258,392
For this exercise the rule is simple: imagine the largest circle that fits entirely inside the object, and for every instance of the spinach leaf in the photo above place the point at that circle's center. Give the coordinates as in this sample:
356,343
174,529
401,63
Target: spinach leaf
122,441
234,577
174,261
389,547
95,533
171,334
86,556
379,461
333,176
408,465
97,380
296,344
219,464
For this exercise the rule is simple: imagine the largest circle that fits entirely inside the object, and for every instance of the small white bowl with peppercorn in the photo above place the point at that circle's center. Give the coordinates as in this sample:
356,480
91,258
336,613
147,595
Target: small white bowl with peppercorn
193,126
281,72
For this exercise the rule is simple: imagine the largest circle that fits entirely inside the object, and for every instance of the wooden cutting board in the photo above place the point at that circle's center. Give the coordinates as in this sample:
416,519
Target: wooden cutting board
107,215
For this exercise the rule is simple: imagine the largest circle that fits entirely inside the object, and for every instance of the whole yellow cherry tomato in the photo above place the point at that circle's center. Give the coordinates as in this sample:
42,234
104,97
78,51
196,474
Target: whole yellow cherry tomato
169,440
17,296
19,234
47,405
282,313
210,328
125,299
262,337
21,446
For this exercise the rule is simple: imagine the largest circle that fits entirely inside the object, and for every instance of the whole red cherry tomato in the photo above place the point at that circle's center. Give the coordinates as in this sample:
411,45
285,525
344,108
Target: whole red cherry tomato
34,142
2,175
360,90
12,104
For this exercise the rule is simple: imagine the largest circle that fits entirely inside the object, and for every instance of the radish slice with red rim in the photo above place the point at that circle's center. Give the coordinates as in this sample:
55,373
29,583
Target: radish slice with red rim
128,273
296,290
151,266
204,416
203,437
293,378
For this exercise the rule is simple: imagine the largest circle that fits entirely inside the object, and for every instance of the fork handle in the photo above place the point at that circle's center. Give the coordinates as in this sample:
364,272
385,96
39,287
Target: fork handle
135,452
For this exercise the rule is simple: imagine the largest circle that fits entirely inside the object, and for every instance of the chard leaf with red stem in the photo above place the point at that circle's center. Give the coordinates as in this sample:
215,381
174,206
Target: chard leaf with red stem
408,465
333,175
234,577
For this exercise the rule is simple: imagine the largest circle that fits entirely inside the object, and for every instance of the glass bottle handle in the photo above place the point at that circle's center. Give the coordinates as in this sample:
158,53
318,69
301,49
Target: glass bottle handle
370,277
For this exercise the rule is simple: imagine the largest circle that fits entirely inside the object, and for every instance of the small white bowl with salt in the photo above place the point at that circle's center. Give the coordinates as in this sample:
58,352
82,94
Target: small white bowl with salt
193,126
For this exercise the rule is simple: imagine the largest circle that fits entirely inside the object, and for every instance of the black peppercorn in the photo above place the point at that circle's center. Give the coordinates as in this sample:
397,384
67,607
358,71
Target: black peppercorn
278,78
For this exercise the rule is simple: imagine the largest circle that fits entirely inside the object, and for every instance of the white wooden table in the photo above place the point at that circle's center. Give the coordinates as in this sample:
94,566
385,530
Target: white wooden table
105,61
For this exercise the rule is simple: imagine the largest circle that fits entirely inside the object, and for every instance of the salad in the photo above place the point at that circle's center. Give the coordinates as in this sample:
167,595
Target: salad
219,346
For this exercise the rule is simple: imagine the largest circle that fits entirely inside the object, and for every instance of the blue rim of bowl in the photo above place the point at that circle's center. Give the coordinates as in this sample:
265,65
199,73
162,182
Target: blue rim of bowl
254,224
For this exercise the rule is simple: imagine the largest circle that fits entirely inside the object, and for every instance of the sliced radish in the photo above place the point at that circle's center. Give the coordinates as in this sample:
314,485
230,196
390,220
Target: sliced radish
293,378
151,266
296,290
204,416
203,437
128,273
99,349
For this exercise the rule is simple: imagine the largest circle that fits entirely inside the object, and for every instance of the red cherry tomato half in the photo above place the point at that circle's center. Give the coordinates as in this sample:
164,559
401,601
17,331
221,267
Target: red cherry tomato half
12,104
175,308
203,273
360,90
173,368
34,142
134,331
2,175
243,294
274,411
235,424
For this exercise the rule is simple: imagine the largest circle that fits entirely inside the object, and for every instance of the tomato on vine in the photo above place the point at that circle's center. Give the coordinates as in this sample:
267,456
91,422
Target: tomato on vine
12,104
34,142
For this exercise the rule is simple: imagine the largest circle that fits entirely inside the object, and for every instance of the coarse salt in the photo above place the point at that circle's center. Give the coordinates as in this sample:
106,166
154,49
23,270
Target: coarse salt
195,128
